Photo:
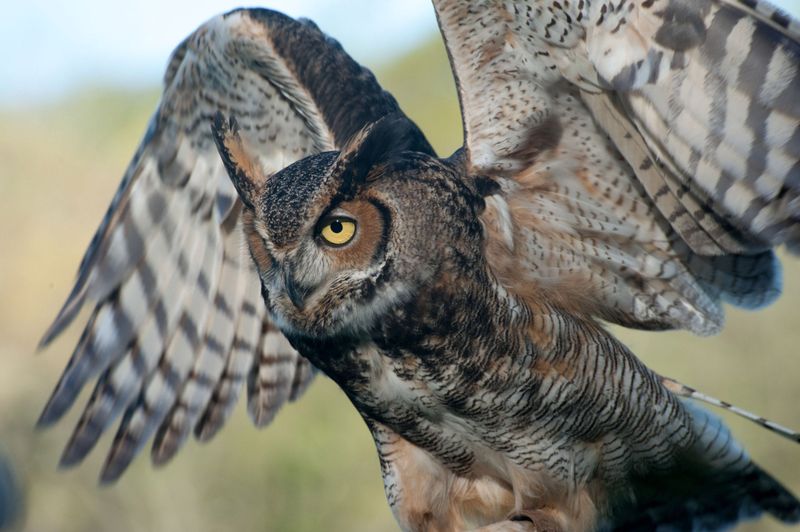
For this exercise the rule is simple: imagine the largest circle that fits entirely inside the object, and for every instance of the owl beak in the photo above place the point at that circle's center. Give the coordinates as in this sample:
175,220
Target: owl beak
296,296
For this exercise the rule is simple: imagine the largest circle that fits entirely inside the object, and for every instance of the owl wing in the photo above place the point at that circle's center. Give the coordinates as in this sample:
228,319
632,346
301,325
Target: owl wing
647,152
177,321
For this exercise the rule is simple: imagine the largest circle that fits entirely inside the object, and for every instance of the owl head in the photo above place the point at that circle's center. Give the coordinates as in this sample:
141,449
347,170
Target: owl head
342,238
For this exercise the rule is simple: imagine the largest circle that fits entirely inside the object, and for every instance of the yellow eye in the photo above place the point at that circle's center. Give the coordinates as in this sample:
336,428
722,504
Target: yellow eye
338,231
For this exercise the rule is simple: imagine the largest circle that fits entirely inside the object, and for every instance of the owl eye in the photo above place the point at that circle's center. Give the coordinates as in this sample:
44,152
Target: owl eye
338,231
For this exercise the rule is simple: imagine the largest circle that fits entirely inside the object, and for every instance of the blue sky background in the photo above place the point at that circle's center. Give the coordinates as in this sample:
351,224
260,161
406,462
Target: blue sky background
48,48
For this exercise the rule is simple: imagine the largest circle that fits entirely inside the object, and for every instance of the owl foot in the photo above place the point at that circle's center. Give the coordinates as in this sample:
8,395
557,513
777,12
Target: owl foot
525,521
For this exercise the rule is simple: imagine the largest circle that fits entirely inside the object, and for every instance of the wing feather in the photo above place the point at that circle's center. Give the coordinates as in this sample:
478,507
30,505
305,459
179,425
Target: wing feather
707,114
681,209
277,377
177,322
210,362
249,327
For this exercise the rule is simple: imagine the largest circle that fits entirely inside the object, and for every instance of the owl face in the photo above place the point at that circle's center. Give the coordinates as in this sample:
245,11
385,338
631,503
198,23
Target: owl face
341,239
330,277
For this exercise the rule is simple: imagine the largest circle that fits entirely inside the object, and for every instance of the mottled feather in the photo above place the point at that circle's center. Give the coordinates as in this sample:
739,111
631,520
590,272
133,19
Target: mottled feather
665,225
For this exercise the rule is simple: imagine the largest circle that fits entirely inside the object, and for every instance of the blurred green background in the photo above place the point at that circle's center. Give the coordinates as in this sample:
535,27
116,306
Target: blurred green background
314,468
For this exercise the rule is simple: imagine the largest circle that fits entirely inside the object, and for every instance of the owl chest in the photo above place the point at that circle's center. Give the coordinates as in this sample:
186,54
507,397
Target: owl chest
474,452
473,425
504,414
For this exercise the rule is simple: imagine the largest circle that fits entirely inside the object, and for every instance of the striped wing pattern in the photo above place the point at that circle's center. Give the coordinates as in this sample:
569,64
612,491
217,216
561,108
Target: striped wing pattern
715,93
177,325
575,230
647,151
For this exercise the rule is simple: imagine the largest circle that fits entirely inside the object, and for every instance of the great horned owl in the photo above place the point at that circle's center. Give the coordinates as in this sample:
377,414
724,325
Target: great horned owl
632,163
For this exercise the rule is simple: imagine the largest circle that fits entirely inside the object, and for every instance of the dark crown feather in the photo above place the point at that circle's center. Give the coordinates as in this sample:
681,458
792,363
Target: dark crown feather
374,146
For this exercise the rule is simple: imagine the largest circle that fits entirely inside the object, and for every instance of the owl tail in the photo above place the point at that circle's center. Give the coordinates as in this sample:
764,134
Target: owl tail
711,485
712,502
682,390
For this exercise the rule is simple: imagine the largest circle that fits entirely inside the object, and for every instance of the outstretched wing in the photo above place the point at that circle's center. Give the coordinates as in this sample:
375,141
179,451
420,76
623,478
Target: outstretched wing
177,322
648,153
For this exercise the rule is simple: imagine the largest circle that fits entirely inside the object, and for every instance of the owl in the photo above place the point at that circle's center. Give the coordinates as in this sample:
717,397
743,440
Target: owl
624,162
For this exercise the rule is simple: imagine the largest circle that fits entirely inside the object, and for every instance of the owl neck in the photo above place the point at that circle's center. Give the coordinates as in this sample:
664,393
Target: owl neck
459,318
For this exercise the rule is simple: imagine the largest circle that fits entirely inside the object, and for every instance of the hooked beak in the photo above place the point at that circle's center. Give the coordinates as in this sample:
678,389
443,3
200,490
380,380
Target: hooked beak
296,296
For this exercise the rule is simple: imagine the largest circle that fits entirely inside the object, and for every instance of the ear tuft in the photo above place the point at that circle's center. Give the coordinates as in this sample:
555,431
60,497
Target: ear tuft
374,145
247,178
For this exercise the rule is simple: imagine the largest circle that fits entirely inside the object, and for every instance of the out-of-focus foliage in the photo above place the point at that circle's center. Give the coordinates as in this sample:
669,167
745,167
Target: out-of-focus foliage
315,468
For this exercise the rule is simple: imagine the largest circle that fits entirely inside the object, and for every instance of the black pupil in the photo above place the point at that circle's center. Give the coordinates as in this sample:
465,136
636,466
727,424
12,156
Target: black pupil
336,226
